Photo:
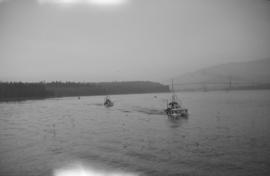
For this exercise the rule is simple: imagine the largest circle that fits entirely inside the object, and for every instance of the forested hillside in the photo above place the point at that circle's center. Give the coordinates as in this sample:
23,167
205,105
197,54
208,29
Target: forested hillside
19,90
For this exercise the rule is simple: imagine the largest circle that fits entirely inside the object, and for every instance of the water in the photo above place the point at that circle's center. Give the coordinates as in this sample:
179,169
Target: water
227,133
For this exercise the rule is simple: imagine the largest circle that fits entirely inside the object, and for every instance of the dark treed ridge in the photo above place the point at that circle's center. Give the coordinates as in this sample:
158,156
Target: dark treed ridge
104,88
19,90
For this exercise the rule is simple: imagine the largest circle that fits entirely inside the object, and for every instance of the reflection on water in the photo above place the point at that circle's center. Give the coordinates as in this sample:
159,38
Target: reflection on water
226,133
81,169
175,123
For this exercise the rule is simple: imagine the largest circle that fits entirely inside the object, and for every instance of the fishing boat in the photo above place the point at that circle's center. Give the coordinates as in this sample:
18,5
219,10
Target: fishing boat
175,108
108,102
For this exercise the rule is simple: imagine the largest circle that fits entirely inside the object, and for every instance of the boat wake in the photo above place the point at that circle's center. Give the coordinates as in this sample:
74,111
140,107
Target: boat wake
148,111
98,104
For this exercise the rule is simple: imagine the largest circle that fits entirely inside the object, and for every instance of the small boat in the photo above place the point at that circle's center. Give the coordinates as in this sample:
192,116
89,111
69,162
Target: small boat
108,102
175,108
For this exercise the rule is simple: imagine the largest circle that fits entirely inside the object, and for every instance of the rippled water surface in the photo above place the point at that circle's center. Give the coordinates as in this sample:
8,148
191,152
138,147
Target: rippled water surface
227,133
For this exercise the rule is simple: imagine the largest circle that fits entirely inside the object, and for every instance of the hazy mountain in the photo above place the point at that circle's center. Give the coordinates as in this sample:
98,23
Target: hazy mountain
251,72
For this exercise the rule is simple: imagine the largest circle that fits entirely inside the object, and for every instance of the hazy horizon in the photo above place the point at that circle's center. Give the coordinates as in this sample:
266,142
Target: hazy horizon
127,40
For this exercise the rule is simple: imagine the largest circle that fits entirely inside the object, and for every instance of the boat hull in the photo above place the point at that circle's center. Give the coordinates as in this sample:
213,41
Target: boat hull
177,113
108,104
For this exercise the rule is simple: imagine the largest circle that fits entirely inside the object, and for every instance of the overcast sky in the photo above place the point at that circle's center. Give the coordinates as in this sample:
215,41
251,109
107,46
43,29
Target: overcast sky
118,40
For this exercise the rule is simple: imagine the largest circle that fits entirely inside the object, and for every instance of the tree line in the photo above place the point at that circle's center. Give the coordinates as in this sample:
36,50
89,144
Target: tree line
20,90
17,90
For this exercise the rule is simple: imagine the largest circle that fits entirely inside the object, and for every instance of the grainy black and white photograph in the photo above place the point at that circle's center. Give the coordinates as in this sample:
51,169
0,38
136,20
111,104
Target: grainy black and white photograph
134,87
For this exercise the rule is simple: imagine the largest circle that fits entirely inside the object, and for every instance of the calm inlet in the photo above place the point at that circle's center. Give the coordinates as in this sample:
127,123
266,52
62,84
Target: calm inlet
226,133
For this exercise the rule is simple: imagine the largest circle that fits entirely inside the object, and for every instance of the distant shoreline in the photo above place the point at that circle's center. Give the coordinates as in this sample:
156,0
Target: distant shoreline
19,99
221,89
19,91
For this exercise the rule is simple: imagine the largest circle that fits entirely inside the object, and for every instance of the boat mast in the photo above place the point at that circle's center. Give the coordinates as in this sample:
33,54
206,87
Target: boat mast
173,95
